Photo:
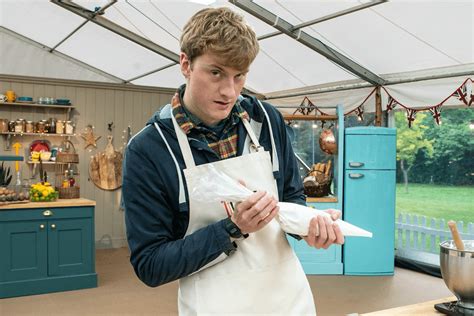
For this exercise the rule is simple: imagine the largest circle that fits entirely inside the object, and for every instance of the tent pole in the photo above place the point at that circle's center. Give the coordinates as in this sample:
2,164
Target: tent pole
378,107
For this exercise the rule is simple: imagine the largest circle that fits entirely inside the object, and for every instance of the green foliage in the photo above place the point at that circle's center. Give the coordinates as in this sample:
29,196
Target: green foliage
451,161
411,140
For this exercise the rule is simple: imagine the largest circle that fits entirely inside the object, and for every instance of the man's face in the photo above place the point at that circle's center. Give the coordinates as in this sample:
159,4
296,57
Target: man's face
212,88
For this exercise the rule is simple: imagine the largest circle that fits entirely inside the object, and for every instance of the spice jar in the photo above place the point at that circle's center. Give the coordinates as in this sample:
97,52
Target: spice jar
19,126
69,128
11,126
59,127
3,125
40,126
29,127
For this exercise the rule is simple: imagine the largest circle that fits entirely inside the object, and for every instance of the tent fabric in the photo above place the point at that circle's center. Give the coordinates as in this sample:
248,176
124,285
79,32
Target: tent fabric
392,37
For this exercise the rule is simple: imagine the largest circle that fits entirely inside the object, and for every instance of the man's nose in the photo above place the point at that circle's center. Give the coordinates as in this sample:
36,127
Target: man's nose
227,88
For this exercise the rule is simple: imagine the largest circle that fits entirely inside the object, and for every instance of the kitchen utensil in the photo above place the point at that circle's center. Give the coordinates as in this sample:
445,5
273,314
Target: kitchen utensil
327,142
454,232
11,96
105,167
457,269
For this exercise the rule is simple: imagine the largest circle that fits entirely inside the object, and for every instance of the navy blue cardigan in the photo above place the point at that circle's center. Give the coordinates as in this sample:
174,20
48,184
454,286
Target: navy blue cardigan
155,224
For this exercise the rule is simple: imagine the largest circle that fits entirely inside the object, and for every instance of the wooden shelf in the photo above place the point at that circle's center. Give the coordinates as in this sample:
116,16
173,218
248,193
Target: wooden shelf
50,163
38,105
300,117
328,199
37,134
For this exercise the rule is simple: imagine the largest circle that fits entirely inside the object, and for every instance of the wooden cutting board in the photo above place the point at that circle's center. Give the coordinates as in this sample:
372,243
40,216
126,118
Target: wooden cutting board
105,167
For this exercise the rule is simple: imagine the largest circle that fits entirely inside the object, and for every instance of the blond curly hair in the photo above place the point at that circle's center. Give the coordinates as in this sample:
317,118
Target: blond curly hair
222,32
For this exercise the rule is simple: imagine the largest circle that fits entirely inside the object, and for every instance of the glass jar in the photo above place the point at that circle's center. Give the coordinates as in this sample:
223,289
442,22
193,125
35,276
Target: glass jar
59,127
69,128
19,126
3,125
11,126
40,126
29,127
52,125
23,124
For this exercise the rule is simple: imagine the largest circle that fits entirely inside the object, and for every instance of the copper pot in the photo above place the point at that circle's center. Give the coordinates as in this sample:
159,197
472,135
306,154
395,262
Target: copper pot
327,142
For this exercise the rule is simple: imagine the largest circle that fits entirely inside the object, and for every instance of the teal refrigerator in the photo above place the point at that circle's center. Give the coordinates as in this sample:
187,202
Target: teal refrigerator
369,199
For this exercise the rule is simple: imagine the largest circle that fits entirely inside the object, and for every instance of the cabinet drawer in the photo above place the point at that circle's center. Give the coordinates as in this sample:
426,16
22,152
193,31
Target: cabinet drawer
39,213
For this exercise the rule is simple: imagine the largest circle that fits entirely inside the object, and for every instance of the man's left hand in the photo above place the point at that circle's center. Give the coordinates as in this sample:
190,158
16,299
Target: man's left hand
323,232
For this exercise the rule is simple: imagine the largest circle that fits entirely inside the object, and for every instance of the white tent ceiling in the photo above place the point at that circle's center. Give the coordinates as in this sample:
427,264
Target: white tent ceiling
395,40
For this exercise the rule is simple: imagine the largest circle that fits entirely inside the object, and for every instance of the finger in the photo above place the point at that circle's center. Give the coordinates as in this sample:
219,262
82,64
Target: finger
331,235
323,235
339,235
335,214
263,208
313,224
250,201
268,218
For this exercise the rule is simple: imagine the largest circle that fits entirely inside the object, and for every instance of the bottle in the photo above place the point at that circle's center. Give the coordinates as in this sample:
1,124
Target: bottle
65,183
72,182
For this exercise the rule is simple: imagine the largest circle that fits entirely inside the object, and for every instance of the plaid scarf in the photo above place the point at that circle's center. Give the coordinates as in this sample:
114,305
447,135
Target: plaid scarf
225,144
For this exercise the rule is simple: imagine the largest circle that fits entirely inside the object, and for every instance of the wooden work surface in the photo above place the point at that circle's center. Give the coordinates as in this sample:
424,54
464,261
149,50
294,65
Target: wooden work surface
58,203
321,200
425,309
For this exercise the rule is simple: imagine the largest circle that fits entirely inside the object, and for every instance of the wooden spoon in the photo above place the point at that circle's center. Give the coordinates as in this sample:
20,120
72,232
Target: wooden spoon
454,232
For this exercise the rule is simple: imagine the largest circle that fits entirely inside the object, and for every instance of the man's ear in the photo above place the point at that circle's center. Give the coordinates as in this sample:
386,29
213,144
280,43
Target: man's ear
185,65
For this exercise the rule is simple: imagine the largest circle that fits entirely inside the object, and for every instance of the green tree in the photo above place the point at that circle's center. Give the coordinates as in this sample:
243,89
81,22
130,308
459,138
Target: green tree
410,141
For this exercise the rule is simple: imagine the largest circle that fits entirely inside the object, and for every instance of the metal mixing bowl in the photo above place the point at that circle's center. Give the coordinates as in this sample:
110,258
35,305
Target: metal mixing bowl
457,269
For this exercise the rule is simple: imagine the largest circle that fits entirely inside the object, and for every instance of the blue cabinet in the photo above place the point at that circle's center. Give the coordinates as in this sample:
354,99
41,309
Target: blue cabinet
369,199
47,249
326,261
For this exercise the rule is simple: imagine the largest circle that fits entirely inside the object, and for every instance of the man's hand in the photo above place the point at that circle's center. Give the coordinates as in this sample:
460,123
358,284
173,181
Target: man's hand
255,212
323,232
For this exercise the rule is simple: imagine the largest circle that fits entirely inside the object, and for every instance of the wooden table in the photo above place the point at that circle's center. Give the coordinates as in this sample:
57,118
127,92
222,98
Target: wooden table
425,309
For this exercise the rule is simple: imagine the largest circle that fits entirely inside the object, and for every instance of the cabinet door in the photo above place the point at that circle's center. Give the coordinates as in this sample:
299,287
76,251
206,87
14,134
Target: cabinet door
369,202
23,249
70,247
370,152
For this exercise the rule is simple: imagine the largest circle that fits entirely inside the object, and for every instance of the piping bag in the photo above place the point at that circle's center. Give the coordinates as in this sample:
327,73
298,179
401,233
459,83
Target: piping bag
216,186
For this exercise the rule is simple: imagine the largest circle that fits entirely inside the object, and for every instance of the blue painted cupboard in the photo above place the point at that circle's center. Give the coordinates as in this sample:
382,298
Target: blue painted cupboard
326,261
47,247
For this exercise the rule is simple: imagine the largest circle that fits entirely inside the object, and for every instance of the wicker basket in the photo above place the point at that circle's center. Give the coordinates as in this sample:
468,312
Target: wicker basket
317,185
69,193
68,157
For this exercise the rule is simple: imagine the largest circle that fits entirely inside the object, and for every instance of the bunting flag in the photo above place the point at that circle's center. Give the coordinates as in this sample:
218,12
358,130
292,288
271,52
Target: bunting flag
436,112
359,111
306,107
461,94
411,113
391,103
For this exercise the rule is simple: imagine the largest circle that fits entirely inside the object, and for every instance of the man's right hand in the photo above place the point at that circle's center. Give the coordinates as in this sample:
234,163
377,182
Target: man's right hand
255,212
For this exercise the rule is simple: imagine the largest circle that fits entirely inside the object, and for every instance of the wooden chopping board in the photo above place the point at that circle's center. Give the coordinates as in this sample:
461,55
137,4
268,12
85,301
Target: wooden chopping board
105,167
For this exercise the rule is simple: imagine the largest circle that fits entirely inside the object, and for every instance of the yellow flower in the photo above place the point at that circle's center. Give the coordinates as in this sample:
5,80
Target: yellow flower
45,193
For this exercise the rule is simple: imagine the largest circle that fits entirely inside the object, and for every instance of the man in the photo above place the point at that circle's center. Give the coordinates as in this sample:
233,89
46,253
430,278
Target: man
228,261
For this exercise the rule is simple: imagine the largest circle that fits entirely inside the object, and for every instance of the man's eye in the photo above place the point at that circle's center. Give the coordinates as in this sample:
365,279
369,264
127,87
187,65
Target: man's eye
215,72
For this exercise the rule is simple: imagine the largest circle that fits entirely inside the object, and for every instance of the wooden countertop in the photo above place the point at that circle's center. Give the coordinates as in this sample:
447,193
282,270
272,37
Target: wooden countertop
58,203
425,309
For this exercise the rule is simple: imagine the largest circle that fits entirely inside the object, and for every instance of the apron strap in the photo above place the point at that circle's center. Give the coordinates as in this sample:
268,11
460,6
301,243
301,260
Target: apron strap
182,196
276,164
252,135
183,143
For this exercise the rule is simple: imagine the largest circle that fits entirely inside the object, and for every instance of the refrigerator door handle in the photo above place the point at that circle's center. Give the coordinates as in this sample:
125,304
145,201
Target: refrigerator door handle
356,164
356,175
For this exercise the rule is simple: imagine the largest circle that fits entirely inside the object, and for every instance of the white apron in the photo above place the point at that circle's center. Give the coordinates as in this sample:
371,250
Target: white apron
263,276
